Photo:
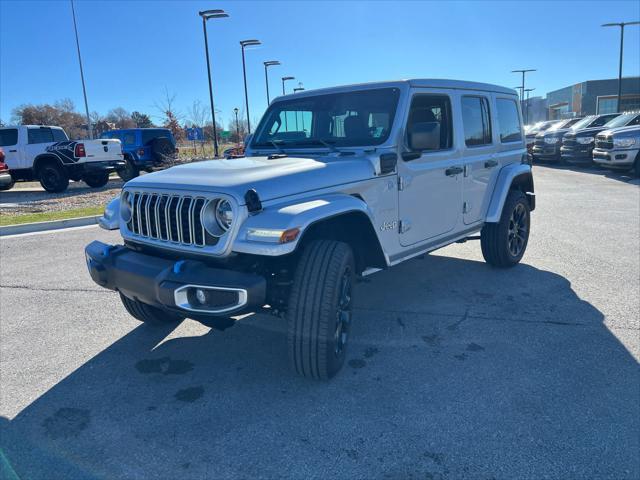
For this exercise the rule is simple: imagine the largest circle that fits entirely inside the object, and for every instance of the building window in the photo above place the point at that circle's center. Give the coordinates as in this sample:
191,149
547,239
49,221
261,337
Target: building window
607,105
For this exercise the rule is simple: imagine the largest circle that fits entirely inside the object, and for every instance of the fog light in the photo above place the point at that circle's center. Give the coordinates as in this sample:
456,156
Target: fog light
201,296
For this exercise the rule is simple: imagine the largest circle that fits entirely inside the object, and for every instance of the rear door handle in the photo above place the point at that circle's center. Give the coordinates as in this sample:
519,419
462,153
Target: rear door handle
13,151
452,171
490,163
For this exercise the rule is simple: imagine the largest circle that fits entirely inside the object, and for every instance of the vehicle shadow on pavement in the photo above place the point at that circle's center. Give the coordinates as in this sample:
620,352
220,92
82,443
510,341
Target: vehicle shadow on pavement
457,371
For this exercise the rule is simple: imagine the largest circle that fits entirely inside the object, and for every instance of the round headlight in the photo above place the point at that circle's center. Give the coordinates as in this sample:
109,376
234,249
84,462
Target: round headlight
125,206
216,217
224,214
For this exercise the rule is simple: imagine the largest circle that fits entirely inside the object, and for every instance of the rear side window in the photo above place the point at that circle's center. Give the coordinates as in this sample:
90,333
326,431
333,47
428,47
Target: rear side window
8,137
148,135
508,120
476,121
40,135
432,109
59,135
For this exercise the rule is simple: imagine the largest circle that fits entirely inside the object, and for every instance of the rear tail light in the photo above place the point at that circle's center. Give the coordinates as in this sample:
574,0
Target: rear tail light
3,166
79,151
1,155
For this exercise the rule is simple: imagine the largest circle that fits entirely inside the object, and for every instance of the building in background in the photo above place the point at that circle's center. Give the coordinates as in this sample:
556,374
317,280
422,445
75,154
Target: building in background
535,109
594,97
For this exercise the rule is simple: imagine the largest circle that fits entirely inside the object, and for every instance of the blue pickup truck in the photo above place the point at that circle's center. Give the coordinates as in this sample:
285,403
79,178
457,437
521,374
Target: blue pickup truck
144,149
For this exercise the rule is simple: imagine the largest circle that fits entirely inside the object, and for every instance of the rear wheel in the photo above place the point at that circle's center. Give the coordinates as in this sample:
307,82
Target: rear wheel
636,166
96,180
53,177
148,314
320,309
504,243
129,172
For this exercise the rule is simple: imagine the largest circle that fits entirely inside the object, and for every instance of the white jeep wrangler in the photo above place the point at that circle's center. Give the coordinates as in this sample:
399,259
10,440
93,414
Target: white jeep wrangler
336,183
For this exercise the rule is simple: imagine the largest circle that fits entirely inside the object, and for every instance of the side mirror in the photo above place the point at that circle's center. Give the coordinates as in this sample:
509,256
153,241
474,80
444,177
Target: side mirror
424,136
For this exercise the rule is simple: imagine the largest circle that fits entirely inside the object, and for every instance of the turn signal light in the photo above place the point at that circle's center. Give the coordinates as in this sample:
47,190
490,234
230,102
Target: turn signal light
79,150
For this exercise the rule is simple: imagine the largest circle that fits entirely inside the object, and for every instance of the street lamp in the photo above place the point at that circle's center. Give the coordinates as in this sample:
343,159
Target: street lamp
235,110
526,118
300,88
269,63
84,90
522,87
243,44
206,15
284,79
621,25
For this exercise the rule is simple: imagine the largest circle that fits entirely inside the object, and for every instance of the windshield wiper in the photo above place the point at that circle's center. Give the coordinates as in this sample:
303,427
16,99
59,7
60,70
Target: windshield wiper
276,146
315,141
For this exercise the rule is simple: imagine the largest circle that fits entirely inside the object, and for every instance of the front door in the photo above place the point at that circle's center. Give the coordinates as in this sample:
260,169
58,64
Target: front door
430,183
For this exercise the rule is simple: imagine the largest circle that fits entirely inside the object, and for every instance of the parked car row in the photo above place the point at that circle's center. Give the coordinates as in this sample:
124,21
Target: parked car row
588,139
45,154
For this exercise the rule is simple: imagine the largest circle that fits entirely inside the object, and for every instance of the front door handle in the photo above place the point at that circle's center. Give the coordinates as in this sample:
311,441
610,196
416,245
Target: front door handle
490,163
13,151
452,171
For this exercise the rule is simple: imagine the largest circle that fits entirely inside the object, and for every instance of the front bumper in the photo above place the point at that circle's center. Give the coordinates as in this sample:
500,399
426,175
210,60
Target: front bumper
615,158
546,153
171,284
578,153
105,166
5,179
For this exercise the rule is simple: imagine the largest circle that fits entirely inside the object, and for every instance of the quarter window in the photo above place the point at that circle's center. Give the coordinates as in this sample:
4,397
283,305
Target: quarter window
508,120
432,109
59,135
40,135
8,137
476,121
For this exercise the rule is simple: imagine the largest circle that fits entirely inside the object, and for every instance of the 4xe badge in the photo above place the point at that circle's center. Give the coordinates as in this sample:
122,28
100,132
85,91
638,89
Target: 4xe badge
389,226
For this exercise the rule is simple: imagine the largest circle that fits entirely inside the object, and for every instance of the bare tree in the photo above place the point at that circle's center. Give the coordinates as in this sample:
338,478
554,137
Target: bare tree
170,116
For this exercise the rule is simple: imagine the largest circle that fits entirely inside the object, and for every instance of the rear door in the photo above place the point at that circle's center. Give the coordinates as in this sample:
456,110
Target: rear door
430,184
9,142
38,139
480,162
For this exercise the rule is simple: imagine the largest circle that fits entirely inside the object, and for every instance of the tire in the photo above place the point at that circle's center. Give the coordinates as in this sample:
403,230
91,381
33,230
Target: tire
96,180
636,166
319,311
501,246
148,314
129,172
53,177
162,150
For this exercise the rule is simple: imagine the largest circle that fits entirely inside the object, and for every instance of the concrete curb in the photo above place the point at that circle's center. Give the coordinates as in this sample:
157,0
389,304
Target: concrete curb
52,225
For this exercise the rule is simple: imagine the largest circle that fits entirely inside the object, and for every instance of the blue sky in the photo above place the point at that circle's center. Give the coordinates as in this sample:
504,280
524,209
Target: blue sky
133,50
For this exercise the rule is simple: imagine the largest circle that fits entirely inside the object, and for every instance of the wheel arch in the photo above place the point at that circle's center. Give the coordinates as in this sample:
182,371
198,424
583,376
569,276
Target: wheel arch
512,177
44,159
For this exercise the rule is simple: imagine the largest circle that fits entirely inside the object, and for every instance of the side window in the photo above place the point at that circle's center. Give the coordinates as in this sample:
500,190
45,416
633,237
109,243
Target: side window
8,137
635,121
40,135
430,118
59,135
476,121
508,120
129,138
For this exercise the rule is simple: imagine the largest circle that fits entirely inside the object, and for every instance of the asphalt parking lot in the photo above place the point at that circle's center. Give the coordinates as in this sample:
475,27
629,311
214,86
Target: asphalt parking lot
456,370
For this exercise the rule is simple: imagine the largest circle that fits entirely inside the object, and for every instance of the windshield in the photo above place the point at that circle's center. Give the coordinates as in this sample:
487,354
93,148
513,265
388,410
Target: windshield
563,124
355,118
583,123
620,121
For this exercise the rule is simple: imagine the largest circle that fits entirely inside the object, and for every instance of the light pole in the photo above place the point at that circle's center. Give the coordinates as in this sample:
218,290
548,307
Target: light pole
269,63
526,118
284,79
621,25
243,44
206,15
522,87
235,110
84,90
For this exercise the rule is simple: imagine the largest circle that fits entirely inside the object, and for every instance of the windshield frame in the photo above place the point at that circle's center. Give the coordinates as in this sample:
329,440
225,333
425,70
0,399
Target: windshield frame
315,142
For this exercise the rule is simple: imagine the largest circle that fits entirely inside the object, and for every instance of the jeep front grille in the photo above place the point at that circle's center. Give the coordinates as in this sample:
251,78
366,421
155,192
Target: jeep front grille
170,218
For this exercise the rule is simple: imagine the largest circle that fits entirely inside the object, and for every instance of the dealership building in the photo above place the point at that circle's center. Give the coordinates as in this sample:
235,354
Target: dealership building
593,97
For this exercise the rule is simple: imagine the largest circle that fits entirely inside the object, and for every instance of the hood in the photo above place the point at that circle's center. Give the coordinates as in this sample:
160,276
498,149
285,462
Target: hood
586,132
553,133
628,130
271,178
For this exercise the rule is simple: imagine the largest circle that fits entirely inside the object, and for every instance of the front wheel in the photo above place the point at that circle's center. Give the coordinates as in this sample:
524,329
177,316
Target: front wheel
149,314
320,309
504,243
96,180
